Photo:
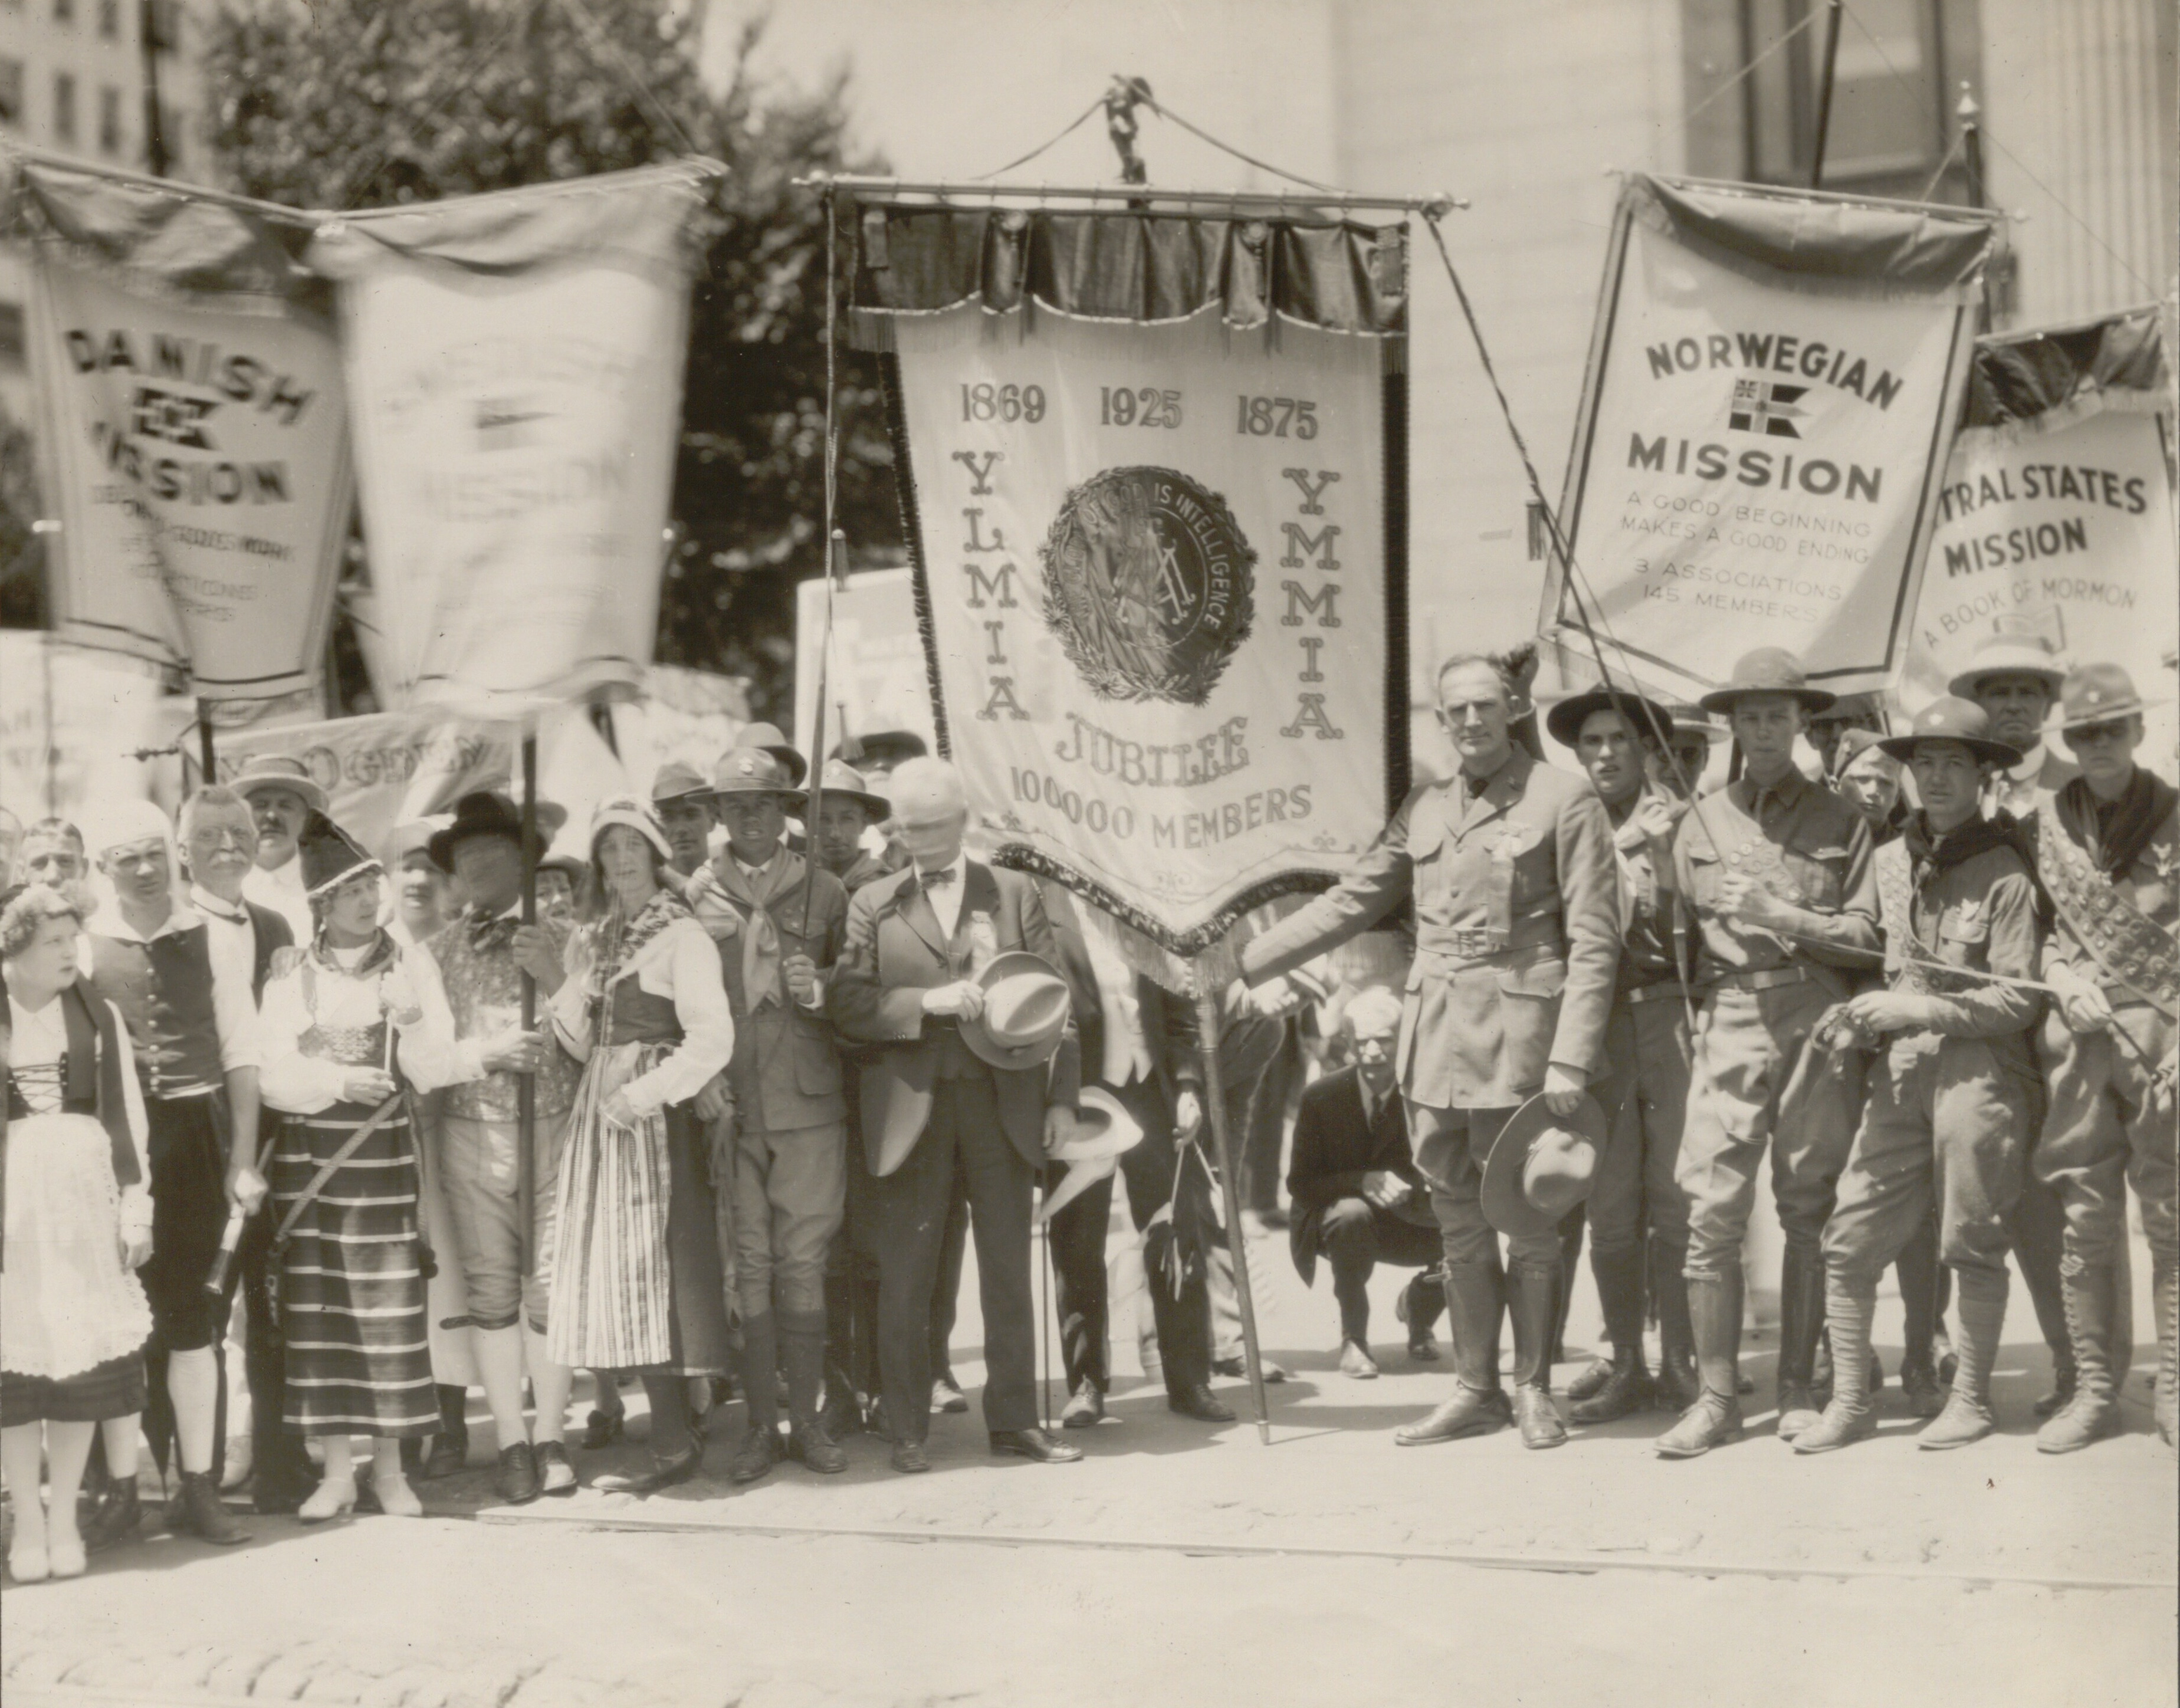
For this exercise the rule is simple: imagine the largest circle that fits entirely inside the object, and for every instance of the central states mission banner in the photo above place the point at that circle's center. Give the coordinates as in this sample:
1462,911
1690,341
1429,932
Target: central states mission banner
1158,533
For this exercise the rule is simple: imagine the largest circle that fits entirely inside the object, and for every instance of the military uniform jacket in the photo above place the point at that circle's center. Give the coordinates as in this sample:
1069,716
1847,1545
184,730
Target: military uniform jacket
785,1071
1517,931
1978,913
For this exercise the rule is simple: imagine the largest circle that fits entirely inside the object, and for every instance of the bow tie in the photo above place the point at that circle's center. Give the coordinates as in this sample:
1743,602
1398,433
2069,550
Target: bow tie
484,933
935,880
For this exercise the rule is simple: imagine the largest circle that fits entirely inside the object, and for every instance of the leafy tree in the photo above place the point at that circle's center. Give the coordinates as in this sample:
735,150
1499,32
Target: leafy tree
367,103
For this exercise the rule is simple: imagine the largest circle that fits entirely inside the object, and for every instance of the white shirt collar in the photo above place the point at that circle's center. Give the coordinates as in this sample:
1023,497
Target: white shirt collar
205,902
959,868
2032,763
108,922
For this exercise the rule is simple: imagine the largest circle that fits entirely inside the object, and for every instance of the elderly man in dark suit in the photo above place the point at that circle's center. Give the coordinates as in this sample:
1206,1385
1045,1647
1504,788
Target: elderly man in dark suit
912,982
1358,1198
1509,864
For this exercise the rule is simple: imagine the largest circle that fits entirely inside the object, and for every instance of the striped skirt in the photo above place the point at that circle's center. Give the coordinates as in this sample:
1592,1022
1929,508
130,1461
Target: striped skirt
352,1290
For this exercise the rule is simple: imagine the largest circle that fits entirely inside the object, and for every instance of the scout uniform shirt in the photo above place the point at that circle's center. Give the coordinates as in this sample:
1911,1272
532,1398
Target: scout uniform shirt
1968,903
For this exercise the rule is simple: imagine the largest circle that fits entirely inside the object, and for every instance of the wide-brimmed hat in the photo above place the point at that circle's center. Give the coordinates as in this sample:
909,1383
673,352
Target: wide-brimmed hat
888,748
1854,744
1103,1129
488,812
1542,1166
2097,694
768,736
757,771
1648,718
1767,671
841,780
330,855
637,815
1694,720
2009,655
1026,1007
278,771
1952,719
677,780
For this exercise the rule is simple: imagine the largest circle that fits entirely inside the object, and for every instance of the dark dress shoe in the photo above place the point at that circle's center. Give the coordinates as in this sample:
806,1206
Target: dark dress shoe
555,1475
664,1473
1085,1406
197,1511
816,1451
946,1395
1538,1418
449,1454
1356,1363
113,1516
1589,1381
517,1477
1625,1391
755,1455
842,1414
1035,1444
909,1458
1199,1403
1470,1412
602,1429
1239,1367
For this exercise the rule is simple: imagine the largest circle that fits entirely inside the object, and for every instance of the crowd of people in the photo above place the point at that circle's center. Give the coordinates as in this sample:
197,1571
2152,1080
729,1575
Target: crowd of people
719,1105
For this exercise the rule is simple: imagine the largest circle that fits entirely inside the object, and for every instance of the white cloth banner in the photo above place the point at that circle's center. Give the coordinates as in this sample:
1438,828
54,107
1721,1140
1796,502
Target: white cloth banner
877,680
2066,534
517,412
71,722
1155,562
1755,464
197,458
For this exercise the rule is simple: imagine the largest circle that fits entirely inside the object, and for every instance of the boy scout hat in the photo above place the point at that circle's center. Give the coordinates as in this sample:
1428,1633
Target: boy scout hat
1650,720
1026,1004
677,780
1953,719
757,771
2009,655
844,782
767,738
1767,671
2097,694
1542,1166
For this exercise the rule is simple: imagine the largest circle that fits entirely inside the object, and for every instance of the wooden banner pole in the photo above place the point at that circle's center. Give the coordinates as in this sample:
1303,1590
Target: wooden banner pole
1215,1095
526,1116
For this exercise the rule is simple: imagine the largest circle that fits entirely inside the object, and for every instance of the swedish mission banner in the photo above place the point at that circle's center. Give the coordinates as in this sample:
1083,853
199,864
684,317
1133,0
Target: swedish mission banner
196,441
1772,383
1153,470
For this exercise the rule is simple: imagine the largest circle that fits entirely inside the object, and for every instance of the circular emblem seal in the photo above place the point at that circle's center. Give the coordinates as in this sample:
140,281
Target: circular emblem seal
1147,584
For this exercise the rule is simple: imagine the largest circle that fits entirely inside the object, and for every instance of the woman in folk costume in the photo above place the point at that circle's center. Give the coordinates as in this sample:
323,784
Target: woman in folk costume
634,1249
72,1317
344,1175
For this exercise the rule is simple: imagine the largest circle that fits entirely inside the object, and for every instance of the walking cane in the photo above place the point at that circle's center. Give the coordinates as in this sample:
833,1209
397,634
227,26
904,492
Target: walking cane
1044,1324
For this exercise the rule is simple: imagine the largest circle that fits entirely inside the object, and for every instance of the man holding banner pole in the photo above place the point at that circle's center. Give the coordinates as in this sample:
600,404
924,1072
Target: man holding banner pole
1509,864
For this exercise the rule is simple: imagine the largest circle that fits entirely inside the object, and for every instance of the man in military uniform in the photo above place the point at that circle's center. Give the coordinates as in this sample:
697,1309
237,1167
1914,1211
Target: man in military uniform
1777,870
2108,852
1509,866
1620,740
1949,1112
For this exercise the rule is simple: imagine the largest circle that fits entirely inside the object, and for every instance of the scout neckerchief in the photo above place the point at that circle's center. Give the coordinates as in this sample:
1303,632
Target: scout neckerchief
1905,867
761,979
2073,853
2114,833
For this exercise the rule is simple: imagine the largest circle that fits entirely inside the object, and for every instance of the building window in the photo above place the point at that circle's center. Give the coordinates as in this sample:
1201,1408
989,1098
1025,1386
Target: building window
109,120
109,20
63,107
11,91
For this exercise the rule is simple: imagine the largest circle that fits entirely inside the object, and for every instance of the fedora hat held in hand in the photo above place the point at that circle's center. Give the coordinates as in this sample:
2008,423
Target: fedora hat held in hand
1103,1129
1542,1166
1026,1009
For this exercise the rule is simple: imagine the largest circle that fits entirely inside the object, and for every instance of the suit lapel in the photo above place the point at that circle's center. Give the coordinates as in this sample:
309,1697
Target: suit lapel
914,907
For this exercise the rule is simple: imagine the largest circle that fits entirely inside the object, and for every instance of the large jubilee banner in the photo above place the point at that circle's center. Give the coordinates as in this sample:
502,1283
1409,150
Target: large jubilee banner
1154,473
196,442
1772,382
2057,514
515,362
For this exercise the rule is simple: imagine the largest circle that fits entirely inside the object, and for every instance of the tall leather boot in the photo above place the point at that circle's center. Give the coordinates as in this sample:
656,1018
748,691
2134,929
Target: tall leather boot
1619,1290
1475,1296
1676,1388
1850,1302
2093,1413
1801,1318
802,1350
1532,1302
759,1450
1715,1315
1917,1267
2165,1303
1968,1416
2038,1229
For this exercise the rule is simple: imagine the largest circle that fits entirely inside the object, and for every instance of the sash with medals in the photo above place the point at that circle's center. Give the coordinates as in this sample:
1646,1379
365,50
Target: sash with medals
2130,950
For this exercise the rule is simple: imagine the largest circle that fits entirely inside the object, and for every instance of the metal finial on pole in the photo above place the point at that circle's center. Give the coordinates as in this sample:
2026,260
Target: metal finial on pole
1971,114
1825,93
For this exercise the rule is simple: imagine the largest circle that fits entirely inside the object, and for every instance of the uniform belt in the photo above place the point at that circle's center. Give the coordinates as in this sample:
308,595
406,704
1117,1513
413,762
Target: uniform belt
1665,990
1768,978
1474,946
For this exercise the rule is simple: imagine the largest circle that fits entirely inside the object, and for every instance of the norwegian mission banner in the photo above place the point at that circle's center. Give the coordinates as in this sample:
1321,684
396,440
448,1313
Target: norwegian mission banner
1762,435
2057,518
1151,466
515,362
195,440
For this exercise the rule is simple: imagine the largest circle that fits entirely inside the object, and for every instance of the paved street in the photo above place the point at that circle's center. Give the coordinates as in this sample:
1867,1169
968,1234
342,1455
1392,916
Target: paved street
1178,1560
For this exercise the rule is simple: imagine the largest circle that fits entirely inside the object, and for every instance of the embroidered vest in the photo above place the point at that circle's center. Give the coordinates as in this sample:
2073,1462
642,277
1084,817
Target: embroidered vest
484,989
164,989
90,1077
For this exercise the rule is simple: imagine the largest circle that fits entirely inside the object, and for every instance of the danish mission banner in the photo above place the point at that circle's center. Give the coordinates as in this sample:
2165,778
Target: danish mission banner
195,441
1762,437
1153,468
2056,519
